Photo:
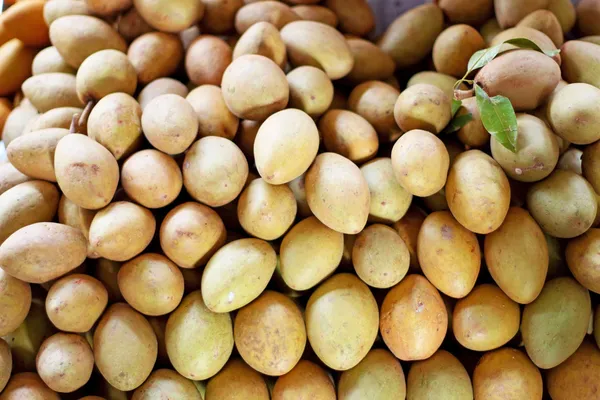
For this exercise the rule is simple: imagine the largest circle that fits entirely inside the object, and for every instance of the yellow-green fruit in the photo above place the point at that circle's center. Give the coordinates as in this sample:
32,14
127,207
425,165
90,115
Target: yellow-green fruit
270,334
578,376
507,373
411,36
6,364
164,381
546,200
103,73
78,36
441,376
478,200
341,321
574,113
423,106
537,151
437,79
375,101
379,372
449,254
562,312
420,162
581,62
224,281
581,255
590,165
199,342
517,257
237,381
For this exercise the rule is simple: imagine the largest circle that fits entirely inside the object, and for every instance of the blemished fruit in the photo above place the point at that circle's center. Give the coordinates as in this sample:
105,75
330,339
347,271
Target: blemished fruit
288,200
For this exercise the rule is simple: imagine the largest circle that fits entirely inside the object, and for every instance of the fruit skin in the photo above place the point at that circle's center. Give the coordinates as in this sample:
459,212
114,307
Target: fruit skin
155,55
565,13
510,12
168,381
423,106
581,62
108,7
588,14
526,77
433,378
206,60
574,113
53,10
105,72
274,12
538,37
25,21
28,385
472,12
578,376
15,302
237,381
15,66
454,47
590,165
305,379
581,255
6,364
355,16
76,37
545,21
411,36
555,324
170,16
52,90
507,373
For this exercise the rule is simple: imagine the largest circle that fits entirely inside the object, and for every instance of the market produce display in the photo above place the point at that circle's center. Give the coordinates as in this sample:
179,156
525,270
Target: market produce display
268,200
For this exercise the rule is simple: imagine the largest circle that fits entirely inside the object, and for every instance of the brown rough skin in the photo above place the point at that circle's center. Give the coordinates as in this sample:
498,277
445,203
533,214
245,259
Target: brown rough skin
78,36
375,101
449,254
124,360
191,233
413,319
25,204
471,12
270,334
14,302
517,257
555,324
582,259
131,25
409,39
166,382
224,280
65,362
454,47
274,12
206,60
51,90
480,211
214,171
75,302
151,284
305,381
214,118
355,16
28,385
581,62
219,15
432,379
546,22
15,66
248,76
328,182
115,123
379,372
86,172
588,12
151,178
237,381
507,373
170,16
6,364
578,377
341,321
546,200
43,251
486,319
155,55
348,134
199,342
306,42
526,77
121,230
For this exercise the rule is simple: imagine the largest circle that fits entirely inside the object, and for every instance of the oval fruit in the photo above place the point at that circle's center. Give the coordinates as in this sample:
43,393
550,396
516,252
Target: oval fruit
348,134
169,16
431,378
341,321
423,107
14,302
237,381
571,379
168,381
305,379
581,256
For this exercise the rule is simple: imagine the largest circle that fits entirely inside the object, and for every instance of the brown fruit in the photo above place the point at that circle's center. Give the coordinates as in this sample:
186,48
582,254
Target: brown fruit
170,16
206,60
155,55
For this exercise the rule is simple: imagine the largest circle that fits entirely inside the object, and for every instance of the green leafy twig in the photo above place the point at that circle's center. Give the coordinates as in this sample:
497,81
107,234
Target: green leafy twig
498,118
458,121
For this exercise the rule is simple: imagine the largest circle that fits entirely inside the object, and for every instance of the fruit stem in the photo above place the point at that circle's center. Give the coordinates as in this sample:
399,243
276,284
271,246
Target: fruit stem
86,113
74,124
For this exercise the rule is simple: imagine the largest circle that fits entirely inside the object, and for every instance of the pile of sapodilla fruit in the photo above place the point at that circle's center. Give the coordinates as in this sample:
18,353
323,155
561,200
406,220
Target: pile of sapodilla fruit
260,211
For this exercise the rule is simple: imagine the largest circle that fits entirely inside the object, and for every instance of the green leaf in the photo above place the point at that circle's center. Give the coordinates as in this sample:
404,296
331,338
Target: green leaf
498,117
457,123
455,106
481,58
